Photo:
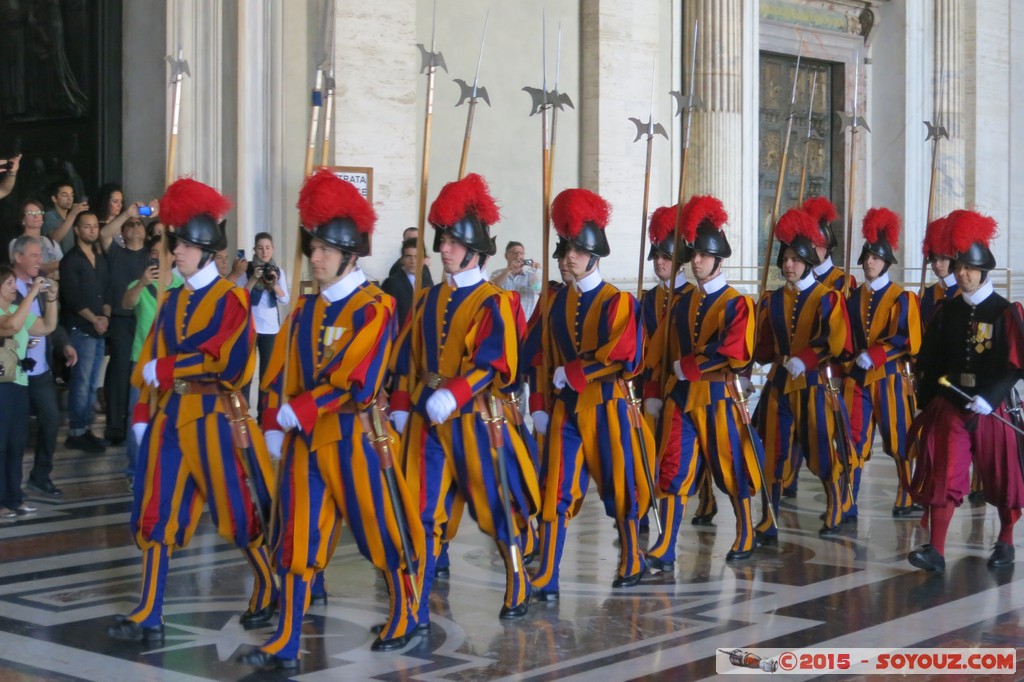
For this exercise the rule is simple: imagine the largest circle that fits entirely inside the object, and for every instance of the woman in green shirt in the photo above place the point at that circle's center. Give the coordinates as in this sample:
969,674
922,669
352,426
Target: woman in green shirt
17,321
141,297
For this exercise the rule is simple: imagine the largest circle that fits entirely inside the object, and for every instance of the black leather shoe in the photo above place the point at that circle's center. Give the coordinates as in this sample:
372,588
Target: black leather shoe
703,519
789,492
393,643
511,613
442,572
659,564
1002,555
826,531
318,599
928,558
256,618
261,659
130,631
46,487
549,596
976,496
900,512
765,540
734,555
628,581
420,629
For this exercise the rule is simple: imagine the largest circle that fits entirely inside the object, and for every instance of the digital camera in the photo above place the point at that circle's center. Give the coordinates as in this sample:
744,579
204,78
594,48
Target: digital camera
145,211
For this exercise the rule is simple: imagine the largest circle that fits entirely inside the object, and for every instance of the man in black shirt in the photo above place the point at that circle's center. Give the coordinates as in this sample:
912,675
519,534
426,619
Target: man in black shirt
125,264
401,284
396,267
84,276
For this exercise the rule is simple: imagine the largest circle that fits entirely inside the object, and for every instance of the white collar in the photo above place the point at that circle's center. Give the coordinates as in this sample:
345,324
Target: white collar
590,282
983,292
680,280
410,276
880,282
949,280
344,287
824,266
204,277
714,284
466,278
805,282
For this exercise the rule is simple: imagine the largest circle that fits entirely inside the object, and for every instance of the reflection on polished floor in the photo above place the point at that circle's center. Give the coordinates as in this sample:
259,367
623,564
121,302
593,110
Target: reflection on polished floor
67,570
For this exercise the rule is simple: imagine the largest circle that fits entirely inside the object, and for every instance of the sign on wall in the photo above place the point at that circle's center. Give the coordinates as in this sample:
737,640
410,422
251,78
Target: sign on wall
360,176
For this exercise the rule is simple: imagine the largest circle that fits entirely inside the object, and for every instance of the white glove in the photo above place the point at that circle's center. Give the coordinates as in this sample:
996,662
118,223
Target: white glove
540,421
286,418
677,367
275,439
149,373
864,360
559,379
979,405
441,405
795,367
398,419
747,386
140,431
652,406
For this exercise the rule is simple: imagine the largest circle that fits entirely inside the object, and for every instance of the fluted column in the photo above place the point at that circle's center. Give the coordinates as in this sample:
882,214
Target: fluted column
948,84
199,28
716,156
255,57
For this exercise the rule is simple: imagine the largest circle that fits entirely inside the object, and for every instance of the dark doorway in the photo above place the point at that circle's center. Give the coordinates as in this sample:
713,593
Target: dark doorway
60,97
823,149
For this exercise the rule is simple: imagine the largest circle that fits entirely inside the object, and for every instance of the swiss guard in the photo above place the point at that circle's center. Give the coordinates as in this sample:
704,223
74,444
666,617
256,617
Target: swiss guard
972,355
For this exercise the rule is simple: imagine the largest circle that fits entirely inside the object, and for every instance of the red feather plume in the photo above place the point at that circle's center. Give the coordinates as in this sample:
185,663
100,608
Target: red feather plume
325,197
966,227
574,207
663,221
462,197
820,209
700,209
797,222
879,224
185,198
936,238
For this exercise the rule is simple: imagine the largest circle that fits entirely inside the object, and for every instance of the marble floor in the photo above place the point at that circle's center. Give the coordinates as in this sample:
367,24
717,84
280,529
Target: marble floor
68,569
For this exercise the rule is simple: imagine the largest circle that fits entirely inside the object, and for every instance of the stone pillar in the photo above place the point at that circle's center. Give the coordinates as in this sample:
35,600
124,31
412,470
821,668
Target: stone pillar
377,112
256,24
612,90
716,157
198,26
948,96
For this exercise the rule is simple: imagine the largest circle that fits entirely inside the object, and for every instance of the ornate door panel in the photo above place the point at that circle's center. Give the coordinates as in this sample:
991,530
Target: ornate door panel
776,87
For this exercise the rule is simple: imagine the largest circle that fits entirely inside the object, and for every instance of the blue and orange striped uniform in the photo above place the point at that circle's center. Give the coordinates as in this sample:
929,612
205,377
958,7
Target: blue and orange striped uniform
943,290
597,336
701,426
885,322
833,277
653,308
337,355
465,339
187,454
795,415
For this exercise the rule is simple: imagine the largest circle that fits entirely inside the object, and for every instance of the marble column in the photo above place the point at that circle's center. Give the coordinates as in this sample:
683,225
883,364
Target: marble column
620,45
716,157
377,117
948,96
199,28
256,24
